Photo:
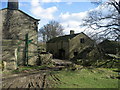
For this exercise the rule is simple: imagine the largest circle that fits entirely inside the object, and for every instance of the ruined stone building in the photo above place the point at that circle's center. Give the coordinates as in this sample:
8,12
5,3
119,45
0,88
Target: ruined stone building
69,46
16,27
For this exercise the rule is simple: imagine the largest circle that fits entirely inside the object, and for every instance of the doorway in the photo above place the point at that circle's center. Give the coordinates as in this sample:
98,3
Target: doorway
61,53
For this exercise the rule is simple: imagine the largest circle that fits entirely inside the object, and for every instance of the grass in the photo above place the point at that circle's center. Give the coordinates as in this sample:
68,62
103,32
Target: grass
84,78
87,78
24,69
29,68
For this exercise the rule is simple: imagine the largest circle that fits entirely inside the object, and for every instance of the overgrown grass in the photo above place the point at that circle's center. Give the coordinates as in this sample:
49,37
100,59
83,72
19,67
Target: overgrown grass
87,78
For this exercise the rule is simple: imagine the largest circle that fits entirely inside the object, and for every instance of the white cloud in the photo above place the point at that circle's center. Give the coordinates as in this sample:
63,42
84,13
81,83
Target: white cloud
69,3
72,21
73,16
22,4
48,1
42,13
68,20
35,3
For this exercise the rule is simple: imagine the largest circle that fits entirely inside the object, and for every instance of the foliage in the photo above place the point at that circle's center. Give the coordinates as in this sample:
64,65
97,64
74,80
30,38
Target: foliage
51,30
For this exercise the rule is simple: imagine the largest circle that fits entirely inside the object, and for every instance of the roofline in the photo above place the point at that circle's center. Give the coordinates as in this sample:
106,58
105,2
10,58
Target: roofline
73,37
62,36
22,12
87,36
28,15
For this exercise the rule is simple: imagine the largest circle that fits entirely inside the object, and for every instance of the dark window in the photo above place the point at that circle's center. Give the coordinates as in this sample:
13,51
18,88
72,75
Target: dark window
82,40
61,53
75,53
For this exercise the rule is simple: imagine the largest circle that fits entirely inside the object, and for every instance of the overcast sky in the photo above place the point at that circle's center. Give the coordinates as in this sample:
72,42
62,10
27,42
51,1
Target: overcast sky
69,14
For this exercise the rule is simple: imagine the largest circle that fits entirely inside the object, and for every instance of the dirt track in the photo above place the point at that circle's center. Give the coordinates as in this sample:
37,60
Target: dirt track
35,79
28,80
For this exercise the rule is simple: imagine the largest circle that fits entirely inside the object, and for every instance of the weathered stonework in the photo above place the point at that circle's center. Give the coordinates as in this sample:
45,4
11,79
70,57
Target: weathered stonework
65,47
14,26
45,59
8,53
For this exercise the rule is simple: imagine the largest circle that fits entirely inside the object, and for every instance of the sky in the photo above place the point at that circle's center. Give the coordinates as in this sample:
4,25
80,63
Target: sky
68,13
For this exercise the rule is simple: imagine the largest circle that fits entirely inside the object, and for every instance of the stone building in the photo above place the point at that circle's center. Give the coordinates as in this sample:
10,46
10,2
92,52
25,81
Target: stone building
69,46
17,27
106,45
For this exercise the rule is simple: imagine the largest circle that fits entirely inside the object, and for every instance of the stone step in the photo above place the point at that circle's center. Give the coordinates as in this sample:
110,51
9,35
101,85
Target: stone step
61,62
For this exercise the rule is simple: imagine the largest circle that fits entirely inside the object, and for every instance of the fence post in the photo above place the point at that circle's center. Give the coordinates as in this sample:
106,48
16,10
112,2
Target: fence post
26,50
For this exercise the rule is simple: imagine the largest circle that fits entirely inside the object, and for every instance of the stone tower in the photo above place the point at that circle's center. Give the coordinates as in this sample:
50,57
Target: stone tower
13,4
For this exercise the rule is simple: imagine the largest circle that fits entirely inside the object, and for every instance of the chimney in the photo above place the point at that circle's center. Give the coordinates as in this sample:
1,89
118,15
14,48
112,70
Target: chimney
71,32
13,4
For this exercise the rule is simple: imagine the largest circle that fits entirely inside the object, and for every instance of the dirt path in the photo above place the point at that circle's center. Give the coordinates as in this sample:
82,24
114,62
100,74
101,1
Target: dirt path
35,79
28,80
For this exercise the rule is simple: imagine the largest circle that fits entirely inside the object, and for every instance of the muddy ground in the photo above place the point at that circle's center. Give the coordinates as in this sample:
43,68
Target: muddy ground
34,79
26,80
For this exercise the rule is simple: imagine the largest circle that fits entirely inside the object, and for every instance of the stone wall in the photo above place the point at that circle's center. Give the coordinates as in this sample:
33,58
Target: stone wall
55,47
9,61
76,46
70,46
14,26
45,59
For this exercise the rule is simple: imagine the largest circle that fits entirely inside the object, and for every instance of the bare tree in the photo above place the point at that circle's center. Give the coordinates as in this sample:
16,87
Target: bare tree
107,24
115,3
51,30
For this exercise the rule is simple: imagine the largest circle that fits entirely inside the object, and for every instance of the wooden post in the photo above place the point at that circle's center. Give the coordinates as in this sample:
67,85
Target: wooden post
26,50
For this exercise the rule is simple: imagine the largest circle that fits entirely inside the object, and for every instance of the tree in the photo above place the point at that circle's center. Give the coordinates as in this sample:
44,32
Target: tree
51,30
105,23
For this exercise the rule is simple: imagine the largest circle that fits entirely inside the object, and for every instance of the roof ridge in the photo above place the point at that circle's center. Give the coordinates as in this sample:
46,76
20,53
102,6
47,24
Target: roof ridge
22,12
65,37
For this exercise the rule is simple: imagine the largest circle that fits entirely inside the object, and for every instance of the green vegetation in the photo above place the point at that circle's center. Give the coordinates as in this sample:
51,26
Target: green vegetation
25,69
86,78
28,68
104,63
